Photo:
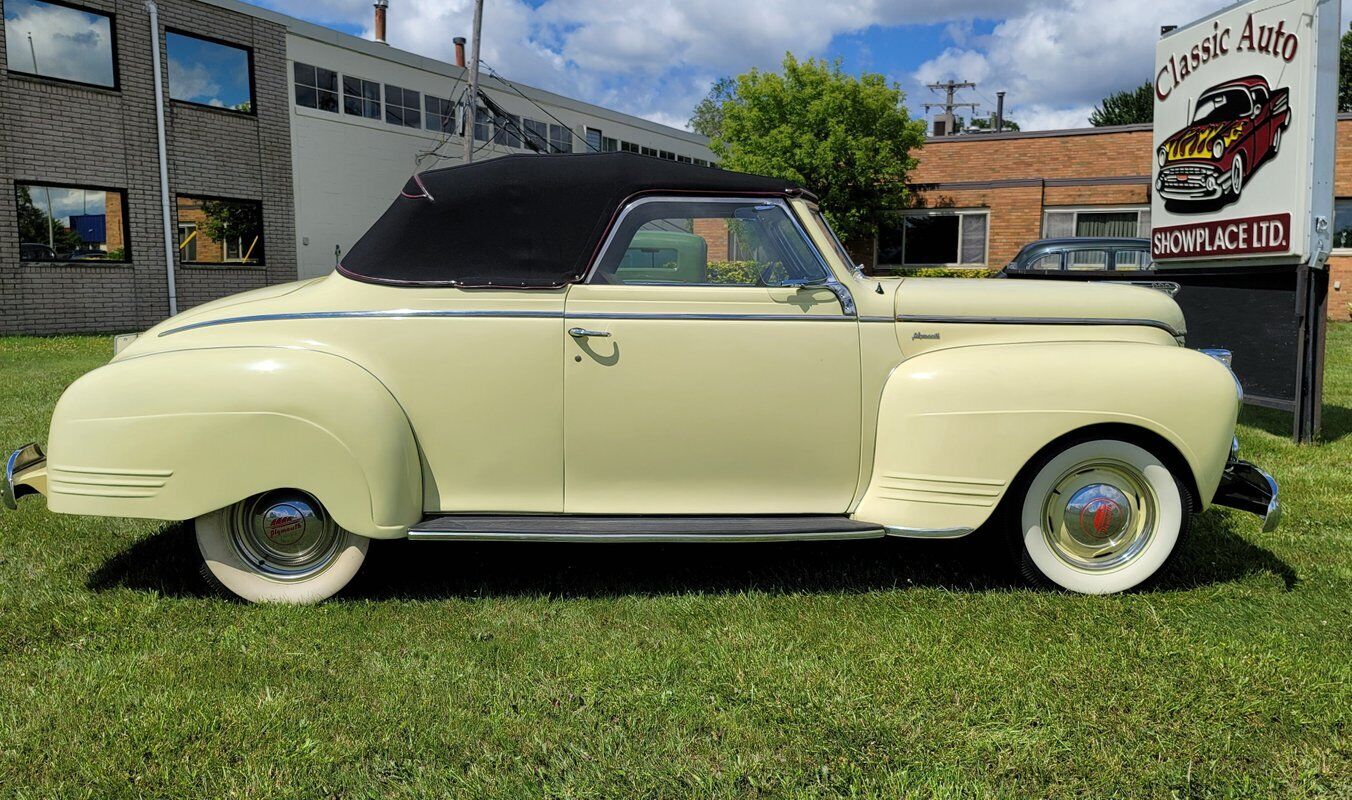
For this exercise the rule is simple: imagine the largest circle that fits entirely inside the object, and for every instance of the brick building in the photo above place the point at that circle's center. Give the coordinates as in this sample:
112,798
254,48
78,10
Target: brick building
284,141
978,199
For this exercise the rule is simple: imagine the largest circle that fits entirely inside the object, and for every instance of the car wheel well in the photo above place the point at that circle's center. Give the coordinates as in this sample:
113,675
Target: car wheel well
1142,437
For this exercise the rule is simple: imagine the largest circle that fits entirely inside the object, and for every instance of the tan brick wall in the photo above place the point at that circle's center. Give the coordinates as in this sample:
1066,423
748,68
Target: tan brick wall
714,232
1075,169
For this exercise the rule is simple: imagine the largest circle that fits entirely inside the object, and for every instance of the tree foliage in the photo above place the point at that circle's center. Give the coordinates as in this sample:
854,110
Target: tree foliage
848,140
1127,107
1345,74
227,219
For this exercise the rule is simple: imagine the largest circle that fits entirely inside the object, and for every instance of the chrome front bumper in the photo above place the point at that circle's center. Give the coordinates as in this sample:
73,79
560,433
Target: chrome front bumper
1248,488
23,460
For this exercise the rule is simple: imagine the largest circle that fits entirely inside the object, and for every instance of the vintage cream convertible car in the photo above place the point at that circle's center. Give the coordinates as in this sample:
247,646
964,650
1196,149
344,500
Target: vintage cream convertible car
613,348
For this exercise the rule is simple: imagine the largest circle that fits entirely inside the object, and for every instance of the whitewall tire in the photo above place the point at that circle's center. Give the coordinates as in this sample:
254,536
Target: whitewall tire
278,547
1100,516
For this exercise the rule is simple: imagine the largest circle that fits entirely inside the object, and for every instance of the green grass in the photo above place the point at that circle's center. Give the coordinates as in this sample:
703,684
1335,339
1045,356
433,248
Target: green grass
880,669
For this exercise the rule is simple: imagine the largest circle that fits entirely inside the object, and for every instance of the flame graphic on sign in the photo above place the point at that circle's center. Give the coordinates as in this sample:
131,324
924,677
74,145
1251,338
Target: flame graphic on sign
1196,142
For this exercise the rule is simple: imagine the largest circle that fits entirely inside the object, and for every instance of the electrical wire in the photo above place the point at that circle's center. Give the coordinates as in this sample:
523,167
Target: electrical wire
523,96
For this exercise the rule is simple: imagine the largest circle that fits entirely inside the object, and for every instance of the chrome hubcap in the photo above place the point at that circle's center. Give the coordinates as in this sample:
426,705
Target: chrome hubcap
286,534
1099,515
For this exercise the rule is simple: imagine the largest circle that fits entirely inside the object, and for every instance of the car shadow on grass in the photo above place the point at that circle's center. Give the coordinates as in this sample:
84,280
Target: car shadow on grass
1336,421
166,563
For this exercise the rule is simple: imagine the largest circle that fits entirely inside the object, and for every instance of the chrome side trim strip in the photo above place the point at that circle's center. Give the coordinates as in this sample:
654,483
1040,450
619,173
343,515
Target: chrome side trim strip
397,313
405,313
957,320
635,538
928,533
877,319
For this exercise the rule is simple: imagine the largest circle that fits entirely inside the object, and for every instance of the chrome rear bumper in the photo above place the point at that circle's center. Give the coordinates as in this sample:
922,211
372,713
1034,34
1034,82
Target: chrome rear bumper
1248,488
26,461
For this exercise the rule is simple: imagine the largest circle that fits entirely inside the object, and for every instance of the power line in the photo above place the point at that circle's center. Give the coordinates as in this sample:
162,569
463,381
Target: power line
950,103
546,111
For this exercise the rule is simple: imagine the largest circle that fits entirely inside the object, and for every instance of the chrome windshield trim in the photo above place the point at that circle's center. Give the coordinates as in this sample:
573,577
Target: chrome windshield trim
468,314
960,320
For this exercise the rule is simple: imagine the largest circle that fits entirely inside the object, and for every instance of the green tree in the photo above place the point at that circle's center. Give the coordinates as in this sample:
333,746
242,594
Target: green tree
985,124
1127,107
226,219
848,140
1345,74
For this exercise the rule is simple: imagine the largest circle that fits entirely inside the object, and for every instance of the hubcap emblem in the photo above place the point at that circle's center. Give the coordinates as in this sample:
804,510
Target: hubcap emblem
284,524
1097,512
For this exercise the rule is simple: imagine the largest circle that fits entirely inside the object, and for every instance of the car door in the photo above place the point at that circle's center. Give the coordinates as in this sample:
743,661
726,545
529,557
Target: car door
701,376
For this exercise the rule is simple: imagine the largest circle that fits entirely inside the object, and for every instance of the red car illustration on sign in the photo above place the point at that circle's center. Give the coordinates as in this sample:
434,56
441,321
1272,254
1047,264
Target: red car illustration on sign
1235,129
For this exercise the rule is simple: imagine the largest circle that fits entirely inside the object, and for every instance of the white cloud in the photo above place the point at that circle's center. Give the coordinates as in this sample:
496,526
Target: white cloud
657,58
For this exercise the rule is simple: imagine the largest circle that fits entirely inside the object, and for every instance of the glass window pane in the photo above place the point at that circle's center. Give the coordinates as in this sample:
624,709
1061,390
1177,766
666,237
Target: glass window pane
326,79
59,42
1048,262
1087,260
328,101
973,240
1130,259
66,223
1342,222
208,73
1058,224
1117,223
305,74
694,243
307,96
217,231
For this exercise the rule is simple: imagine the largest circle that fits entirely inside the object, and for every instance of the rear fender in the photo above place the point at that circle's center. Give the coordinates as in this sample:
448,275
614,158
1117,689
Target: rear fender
176,435
956,426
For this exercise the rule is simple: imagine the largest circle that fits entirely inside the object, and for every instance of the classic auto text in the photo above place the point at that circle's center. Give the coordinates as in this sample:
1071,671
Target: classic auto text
1275,41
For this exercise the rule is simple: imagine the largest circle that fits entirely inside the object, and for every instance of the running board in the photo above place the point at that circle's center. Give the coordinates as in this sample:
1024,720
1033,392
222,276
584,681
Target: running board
592,529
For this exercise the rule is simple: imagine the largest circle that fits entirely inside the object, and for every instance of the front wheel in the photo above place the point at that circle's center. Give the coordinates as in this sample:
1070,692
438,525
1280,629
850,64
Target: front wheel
278,547
1101,516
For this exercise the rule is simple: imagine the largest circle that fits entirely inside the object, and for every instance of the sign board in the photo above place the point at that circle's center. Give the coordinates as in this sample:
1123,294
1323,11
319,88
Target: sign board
1245,116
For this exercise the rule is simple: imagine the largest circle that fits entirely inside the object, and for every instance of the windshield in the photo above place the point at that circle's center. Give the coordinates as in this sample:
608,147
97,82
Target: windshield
1226,106
835,240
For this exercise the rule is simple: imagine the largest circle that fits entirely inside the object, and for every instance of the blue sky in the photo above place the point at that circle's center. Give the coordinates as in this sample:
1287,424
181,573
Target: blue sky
657,58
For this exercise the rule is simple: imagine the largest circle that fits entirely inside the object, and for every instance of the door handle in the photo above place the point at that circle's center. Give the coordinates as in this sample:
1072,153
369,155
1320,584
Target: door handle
583,333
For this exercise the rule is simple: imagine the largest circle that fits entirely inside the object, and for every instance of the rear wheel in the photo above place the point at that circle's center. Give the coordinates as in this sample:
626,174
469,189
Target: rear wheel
1100,516
278,547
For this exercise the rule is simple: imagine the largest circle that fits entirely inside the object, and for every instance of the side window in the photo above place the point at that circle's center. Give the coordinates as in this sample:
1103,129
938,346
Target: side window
1131,259
1048,262
1088,260
707,243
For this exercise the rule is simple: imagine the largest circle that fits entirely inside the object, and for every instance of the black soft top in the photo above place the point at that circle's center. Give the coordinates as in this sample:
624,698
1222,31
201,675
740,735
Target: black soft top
523,221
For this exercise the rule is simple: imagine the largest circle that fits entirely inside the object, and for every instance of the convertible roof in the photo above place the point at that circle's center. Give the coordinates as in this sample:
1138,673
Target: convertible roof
526,221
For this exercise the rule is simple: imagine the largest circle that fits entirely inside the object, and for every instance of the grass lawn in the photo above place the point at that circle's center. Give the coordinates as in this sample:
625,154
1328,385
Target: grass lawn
876,669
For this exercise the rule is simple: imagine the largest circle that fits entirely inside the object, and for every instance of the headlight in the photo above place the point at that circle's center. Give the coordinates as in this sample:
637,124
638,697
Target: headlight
1163,156
1218,149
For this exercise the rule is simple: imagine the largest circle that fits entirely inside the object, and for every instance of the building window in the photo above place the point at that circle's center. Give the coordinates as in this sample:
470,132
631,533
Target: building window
648,151
483,125
1342,223
507,130
933,239
71,223
403,107
187,241
1063,223
593,139
440,114
628,147
609,145
361,98
316,87
560,139
208,73
537,134
214,230
699,162
61,42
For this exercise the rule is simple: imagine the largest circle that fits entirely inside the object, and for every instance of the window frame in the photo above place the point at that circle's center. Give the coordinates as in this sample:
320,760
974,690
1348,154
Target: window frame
402,105
337,90
441,103
945,212
262,263
112,35
1138,210
342,96
610,239
1340,251
126,222
253,72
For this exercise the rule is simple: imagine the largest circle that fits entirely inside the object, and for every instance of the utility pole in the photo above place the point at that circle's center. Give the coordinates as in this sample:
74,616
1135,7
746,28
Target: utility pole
471,117
951,87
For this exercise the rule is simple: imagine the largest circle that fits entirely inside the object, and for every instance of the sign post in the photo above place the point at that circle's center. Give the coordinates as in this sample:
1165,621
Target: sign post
1245,122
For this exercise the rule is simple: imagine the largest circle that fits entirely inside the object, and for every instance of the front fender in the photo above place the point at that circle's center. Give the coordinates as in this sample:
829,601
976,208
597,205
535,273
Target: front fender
956,426
176,435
